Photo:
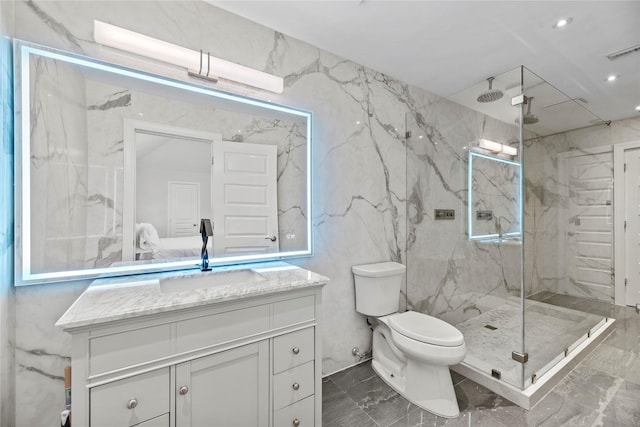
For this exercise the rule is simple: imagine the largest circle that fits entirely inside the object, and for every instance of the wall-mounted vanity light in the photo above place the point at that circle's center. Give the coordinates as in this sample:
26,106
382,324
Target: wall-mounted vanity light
497,148
198,63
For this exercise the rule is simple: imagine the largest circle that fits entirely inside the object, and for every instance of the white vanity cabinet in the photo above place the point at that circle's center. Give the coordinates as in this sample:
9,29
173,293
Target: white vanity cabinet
247,362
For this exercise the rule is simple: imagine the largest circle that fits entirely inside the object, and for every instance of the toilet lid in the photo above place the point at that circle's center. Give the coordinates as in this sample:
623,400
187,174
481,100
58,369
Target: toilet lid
427,329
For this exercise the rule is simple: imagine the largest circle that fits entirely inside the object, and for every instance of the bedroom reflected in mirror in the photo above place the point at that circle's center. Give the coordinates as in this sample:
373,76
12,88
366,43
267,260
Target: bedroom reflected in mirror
116,167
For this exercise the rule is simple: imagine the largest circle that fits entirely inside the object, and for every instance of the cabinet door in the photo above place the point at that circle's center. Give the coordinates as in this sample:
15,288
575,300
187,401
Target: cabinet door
226,389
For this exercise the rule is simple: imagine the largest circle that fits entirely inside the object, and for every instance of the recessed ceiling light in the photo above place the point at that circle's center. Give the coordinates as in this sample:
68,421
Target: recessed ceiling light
638,108
612,78
563,22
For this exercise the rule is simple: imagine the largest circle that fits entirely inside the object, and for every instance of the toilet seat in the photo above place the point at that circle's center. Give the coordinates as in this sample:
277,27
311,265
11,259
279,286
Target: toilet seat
426,329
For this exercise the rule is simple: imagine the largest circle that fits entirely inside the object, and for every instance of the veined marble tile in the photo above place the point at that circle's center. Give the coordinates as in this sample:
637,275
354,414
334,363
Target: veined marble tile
7,297
374,192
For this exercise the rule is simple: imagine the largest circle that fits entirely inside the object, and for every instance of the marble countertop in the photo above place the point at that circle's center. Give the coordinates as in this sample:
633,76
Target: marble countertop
118,298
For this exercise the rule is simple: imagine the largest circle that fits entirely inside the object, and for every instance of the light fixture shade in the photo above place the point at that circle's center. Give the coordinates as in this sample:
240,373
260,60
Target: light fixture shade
496,147
509,150
139,44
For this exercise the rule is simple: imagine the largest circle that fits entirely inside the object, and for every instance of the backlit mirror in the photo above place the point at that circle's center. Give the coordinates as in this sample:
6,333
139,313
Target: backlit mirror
494,198
116,167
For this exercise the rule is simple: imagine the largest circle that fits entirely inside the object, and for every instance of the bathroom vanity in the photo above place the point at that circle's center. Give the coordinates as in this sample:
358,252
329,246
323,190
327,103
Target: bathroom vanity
239,346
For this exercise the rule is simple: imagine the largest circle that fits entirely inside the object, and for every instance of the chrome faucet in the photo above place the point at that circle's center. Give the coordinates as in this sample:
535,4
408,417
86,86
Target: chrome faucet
206,230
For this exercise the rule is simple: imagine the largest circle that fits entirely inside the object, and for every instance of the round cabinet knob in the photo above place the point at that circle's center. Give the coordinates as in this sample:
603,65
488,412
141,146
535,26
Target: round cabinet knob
183,390
296,422
296,386
295,350
132,403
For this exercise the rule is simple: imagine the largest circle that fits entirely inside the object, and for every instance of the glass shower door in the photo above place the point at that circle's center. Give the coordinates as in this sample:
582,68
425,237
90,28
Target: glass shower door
568,228
464,226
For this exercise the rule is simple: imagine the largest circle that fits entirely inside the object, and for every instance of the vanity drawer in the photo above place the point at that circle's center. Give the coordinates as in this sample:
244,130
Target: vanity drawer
119,350
300,414
293,349
293,311
293,385
218,328
131,401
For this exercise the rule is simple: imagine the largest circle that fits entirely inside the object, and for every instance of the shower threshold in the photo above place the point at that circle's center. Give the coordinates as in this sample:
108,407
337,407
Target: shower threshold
534,391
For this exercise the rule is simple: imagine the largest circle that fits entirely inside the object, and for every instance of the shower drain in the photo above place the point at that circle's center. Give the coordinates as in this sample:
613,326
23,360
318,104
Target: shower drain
491,327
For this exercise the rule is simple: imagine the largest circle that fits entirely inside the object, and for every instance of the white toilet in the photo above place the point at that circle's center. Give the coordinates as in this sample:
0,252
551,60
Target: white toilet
412,351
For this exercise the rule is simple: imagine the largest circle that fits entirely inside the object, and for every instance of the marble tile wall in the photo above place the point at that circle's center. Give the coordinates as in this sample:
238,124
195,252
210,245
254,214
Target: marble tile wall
449,276
59,166
7,314
374,191
359,168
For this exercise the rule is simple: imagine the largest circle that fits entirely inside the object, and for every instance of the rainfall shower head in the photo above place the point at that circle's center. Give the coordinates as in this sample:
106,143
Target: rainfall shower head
528,118
490,95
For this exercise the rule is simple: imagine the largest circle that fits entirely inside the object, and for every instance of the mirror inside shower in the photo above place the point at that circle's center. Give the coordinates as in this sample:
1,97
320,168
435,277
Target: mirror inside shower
494,198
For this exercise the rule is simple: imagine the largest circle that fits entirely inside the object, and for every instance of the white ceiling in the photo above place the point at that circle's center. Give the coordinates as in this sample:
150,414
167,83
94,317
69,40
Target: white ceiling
448,46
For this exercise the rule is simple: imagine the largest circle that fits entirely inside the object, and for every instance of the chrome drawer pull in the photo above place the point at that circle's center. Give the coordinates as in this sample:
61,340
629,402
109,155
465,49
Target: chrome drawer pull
296,386
296,422
132,403
183,390
295,350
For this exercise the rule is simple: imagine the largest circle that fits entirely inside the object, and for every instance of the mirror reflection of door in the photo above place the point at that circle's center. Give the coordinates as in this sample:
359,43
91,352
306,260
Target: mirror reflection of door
168,191
245,198
184,209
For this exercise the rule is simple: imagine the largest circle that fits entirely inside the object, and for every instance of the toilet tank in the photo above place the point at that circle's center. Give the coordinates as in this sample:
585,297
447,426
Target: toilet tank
378,287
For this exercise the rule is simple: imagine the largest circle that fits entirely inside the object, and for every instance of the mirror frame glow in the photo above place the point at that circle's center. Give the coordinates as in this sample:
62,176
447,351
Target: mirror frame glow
512,234
23,274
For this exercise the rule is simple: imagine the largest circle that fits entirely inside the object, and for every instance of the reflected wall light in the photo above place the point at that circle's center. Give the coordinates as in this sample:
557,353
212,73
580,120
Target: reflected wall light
198,64
496,147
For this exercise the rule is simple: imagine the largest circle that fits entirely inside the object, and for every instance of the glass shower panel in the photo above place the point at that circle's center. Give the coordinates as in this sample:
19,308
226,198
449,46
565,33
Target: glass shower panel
464,251
568,248
510,228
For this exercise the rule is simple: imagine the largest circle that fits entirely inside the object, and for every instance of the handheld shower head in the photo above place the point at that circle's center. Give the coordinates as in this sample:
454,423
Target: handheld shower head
492,94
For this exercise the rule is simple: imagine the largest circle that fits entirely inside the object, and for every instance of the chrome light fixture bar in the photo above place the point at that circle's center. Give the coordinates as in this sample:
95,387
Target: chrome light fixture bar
139,44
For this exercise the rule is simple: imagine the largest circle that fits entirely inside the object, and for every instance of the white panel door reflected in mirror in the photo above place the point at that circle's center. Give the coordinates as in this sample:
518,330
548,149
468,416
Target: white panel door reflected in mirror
167,190
245,199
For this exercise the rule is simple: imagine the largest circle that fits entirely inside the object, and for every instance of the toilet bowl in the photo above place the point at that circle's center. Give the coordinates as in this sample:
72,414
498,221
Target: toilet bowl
412,351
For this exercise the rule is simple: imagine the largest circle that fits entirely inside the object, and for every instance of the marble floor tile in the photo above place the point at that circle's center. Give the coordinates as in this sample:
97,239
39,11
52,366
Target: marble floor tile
552,411
626,334
379,401
603,390
589,387
611,360
340,410
624,409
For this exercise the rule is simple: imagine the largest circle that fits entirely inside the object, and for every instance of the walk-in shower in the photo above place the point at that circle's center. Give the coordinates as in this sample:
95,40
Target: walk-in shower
524,267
